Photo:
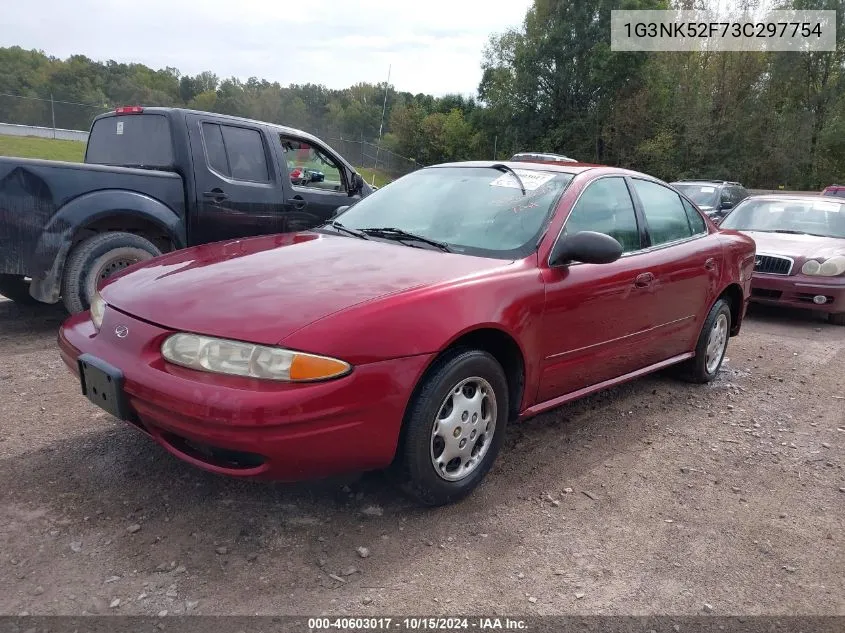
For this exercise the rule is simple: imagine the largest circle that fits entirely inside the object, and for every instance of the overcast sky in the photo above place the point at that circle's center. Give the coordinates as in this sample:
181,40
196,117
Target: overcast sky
434,46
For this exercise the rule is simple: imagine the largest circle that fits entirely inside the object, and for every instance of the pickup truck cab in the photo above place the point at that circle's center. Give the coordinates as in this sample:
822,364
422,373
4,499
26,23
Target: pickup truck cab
156,180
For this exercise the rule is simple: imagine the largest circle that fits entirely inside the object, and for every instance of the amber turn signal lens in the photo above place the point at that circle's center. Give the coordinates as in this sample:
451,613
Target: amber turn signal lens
307,367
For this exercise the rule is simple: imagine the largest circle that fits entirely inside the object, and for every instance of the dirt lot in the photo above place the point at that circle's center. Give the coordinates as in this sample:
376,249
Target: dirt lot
685,499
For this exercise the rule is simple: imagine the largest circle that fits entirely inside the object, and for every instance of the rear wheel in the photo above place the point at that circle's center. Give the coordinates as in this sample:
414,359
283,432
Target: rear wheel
454,428
837,318
16,288
97,258
711,347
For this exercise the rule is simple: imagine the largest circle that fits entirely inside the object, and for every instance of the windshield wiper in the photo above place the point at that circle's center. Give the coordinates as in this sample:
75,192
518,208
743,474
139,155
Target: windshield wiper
353,232
392,233
788,231
505,168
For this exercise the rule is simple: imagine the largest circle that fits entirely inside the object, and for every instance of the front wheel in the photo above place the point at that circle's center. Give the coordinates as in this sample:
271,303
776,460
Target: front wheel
711,347
454,428
98,258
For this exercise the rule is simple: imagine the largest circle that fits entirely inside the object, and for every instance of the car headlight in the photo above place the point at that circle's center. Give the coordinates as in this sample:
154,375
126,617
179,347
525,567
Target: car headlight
224,356
827,268
98,309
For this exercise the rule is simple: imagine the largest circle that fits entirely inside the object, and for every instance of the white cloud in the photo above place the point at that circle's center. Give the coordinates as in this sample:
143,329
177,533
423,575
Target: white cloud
434,46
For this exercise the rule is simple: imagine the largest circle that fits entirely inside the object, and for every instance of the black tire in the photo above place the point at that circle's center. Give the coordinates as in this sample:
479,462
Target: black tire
97,258
837,318
695,369
16,288
413,468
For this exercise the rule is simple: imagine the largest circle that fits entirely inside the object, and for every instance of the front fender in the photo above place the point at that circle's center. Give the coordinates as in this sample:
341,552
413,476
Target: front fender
46,262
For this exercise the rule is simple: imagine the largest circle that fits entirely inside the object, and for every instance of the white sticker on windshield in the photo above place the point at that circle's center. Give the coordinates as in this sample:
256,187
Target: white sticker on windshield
708,189
530,179
119,127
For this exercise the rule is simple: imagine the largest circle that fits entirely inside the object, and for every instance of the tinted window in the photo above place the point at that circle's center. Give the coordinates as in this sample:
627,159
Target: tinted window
141,140
694,217
664,213
245,150
605,207
214,148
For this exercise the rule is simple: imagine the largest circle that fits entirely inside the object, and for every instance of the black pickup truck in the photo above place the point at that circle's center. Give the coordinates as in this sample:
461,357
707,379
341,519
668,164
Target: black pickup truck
155,180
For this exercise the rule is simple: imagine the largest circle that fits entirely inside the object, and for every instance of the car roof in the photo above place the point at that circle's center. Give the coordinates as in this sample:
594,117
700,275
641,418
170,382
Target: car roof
563,168
786,197
695,181
280,128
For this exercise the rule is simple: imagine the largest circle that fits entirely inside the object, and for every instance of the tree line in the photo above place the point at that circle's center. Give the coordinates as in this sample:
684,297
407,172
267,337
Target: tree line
767,119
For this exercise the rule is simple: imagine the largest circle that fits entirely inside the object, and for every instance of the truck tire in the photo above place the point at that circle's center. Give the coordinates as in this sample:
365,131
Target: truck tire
16,288
97,258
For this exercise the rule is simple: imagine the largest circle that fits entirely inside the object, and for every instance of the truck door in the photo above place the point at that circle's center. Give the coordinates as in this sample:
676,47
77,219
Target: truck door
237,185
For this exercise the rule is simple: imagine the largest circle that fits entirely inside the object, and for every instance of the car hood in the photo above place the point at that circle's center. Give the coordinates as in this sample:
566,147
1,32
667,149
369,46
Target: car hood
798,247
263,289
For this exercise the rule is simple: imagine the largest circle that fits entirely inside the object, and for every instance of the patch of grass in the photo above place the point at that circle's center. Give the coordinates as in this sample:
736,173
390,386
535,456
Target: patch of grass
381,178
47,148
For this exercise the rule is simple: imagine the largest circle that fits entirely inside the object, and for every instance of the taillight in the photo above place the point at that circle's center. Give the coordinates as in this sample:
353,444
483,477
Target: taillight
129,110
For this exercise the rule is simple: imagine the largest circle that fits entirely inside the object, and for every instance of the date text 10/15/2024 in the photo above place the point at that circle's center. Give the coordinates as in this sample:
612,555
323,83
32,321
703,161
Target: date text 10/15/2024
415,624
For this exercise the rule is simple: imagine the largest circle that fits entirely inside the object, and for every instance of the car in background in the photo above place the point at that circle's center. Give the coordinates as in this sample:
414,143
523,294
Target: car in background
834,190
538,157
715,197
410,330
800,251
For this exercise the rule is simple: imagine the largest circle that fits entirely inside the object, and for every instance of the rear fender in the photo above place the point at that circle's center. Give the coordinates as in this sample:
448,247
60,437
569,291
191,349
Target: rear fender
47,261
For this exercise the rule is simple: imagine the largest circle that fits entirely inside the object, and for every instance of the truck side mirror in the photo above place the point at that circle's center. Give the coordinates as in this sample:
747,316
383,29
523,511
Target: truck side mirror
357,184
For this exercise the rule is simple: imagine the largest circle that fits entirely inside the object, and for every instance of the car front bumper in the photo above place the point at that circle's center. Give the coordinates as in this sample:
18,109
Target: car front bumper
245,427
798,291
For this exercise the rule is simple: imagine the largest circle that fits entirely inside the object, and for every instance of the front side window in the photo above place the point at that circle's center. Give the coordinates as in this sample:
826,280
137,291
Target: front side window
474,210
311,167
664,213
605,206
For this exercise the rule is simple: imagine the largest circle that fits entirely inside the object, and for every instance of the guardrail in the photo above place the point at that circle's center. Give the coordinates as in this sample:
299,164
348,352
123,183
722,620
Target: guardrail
12,129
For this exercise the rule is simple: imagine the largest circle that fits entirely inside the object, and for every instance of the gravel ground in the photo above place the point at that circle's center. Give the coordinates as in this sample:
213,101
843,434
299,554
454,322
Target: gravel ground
654,497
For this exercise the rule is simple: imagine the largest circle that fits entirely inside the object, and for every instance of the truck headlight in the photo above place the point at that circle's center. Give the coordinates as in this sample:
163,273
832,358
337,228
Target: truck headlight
827,268
235,358
97,309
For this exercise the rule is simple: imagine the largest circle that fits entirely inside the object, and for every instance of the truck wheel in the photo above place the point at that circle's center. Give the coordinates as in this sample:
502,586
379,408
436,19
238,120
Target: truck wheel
16,288
98,258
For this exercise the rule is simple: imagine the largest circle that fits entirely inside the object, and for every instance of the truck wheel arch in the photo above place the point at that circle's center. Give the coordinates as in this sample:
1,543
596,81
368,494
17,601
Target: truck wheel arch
97,212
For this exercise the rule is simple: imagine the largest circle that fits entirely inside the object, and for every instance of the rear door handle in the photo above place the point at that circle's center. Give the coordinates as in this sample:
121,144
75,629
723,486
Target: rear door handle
643,280
710,264
217,194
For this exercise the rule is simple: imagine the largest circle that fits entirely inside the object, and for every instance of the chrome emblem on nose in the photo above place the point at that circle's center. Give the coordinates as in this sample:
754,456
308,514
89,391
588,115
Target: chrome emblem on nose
121,331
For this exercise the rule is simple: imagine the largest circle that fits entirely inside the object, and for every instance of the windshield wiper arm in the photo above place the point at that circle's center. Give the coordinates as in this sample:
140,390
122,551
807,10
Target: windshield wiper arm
505,168
788,231
389,232
353,232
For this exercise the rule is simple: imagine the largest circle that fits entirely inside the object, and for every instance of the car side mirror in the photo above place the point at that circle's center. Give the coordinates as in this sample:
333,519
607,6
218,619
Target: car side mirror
587,247
357,184
339,210
726,204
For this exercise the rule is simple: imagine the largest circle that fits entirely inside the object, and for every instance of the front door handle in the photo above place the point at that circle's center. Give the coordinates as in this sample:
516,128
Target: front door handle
643,280
217,194
298,202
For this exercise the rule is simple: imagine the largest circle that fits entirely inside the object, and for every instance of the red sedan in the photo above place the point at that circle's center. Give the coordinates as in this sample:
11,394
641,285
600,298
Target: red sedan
800,251
412,329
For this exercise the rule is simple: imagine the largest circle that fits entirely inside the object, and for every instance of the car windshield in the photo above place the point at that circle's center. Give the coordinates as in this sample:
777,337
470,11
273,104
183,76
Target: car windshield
703,195
823,217
473,210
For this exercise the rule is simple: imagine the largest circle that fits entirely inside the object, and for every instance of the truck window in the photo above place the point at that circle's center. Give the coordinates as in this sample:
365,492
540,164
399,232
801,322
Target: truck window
235,152
134,140
310,166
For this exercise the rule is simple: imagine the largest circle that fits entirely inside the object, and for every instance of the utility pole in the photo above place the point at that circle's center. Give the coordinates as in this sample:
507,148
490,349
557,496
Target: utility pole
383,111
53,112
495,142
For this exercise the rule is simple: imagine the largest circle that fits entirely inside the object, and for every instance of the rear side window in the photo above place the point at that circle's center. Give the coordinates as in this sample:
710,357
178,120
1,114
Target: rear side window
696,222
132,140
664,213
235,152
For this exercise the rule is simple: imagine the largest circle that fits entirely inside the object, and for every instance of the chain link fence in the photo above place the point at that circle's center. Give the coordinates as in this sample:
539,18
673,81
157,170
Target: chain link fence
370,156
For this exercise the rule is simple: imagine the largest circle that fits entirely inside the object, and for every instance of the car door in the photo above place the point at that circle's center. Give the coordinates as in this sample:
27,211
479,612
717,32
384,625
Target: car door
685,260
595,313
318,180
237,184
